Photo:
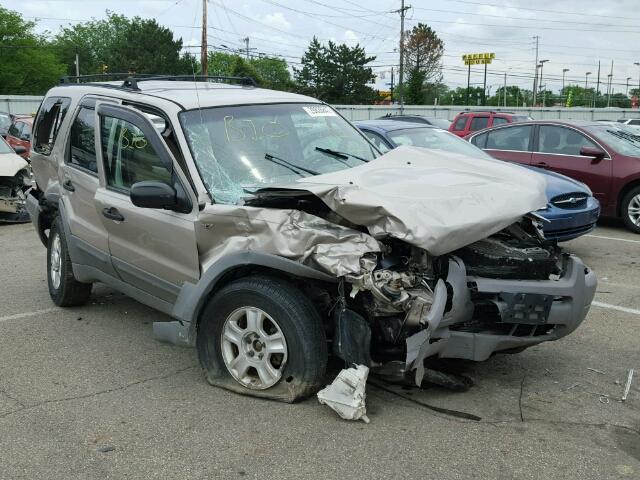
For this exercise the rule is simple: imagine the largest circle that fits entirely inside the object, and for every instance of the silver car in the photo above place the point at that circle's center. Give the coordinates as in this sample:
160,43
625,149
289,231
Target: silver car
275,234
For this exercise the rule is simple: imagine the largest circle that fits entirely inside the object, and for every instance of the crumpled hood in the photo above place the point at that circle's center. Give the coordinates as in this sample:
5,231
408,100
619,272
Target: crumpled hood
439,202
10,164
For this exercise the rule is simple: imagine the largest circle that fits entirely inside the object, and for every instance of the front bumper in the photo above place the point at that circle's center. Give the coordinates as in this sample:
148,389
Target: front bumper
565,224
563,303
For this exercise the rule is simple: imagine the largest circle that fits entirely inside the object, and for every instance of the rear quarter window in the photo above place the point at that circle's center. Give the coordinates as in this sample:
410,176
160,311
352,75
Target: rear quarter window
47,124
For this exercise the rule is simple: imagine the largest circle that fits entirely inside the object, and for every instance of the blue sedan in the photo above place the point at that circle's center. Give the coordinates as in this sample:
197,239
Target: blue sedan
572,209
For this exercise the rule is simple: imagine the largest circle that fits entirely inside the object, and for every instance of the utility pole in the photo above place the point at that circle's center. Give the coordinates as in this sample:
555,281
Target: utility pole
204,59
401,11
610,85
468,84
542,62
595,95
77,62
505,89
392,85
535,78
246,42
484,88
564,70
586,86
626,92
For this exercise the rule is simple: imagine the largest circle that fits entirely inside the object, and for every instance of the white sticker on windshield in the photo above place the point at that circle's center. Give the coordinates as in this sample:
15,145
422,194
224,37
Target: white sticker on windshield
319,111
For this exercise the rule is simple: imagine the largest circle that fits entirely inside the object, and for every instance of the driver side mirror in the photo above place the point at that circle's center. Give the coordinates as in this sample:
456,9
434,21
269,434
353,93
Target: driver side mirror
19,149
153,194
593,152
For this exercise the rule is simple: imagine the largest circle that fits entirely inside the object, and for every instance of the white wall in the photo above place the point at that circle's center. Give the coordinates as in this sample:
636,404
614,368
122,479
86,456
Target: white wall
24,104
29,104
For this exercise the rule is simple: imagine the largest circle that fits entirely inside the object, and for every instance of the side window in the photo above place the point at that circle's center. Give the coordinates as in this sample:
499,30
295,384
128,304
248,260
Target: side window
480,140
478,123
562,141
82,145
15,128
47,124
510,138
25,133
128,156
377,140
461,123
499,121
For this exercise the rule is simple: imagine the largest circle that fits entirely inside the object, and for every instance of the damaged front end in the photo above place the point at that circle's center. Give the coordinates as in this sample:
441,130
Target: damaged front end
504,293
13,196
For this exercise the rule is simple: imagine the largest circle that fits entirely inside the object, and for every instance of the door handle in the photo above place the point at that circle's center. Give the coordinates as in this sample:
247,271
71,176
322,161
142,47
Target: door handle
68,185
112,213
542,165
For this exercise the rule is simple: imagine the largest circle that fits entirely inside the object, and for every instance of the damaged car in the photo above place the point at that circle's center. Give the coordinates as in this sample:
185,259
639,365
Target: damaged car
275,234
15,182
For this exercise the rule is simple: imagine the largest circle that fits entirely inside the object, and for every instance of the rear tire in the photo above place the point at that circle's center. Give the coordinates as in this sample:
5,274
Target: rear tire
261,336
630,210
64,289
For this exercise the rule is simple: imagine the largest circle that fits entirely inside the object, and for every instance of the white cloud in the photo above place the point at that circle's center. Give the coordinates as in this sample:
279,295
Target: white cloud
277,20
350,36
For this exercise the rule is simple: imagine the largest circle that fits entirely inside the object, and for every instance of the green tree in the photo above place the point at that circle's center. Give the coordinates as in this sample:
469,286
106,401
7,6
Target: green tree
28,64
273,72
121,44
336,73
423,51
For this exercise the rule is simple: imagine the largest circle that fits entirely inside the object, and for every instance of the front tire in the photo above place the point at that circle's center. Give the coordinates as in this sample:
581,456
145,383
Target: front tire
261,336
64,289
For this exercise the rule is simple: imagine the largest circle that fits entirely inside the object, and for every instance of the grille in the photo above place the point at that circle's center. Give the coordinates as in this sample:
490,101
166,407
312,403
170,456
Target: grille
570,201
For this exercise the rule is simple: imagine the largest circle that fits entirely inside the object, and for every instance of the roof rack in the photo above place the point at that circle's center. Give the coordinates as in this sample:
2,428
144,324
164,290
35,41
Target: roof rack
130,81
481,110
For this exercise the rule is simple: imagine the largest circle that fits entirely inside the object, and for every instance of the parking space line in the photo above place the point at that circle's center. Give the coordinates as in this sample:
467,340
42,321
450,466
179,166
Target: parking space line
18,316
616,307
613,238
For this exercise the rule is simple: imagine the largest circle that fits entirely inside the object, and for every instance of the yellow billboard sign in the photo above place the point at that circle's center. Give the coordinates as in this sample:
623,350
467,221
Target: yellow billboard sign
478,58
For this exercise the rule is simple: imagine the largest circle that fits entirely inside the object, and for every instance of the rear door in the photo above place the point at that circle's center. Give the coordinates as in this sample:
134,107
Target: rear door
511,143
151,249
459,127
478,122
79,179
558,148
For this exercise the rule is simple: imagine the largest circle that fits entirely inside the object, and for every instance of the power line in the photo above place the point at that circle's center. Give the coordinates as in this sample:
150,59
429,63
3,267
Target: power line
483,4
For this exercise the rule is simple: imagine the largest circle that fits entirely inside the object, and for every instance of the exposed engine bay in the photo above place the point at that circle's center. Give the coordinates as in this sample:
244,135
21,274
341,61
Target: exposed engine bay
503,293
13,195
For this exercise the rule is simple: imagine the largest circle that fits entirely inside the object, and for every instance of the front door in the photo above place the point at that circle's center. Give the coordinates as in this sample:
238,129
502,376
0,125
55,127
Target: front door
558,149
151,249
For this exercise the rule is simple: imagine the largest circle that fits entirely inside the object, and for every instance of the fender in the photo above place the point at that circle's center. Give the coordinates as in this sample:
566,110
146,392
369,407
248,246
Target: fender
192,297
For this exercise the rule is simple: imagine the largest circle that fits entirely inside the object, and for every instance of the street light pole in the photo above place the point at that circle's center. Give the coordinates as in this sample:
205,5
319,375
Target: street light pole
505,89
626,93
586,86
638,64
542,62
564,70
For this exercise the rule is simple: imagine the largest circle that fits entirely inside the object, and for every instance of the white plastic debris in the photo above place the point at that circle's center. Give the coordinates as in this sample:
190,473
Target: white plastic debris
628,385
346,394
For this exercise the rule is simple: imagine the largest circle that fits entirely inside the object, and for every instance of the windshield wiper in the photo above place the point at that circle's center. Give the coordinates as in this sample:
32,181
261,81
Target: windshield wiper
290,165
338,154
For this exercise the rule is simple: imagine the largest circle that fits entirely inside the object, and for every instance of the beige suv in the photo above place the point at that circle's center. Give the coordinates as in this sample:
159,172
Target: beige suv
273,232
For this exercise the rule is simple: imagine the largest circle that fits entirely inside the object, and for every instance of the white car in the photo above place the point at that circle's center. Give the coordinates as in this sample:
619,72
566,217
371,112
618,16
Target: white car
15,182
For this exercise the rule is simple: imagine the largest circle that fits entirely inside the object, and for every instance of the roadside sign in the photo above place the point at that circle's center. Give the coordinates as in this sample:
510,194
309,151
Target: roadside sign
478,58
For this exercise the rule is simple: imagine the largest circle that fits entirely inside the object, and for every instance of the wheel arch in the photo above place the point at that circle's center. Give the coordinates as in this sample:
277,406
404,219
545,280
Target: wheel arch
623,193
193,297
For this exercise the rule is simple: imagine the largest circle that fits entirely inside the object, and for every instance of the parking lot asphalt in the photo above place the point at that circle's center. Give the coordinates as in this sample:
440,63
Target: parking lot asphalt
88,393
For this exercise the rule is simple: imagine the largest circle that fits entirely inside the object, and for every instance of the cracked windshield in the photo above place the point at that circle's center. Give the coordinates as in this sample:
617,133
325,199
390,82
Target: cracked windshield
239,149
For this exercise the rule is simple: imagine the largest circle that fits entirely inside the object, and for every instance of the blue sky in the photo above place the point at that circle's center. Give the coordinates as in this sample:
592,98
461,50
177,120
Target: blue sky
574,34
